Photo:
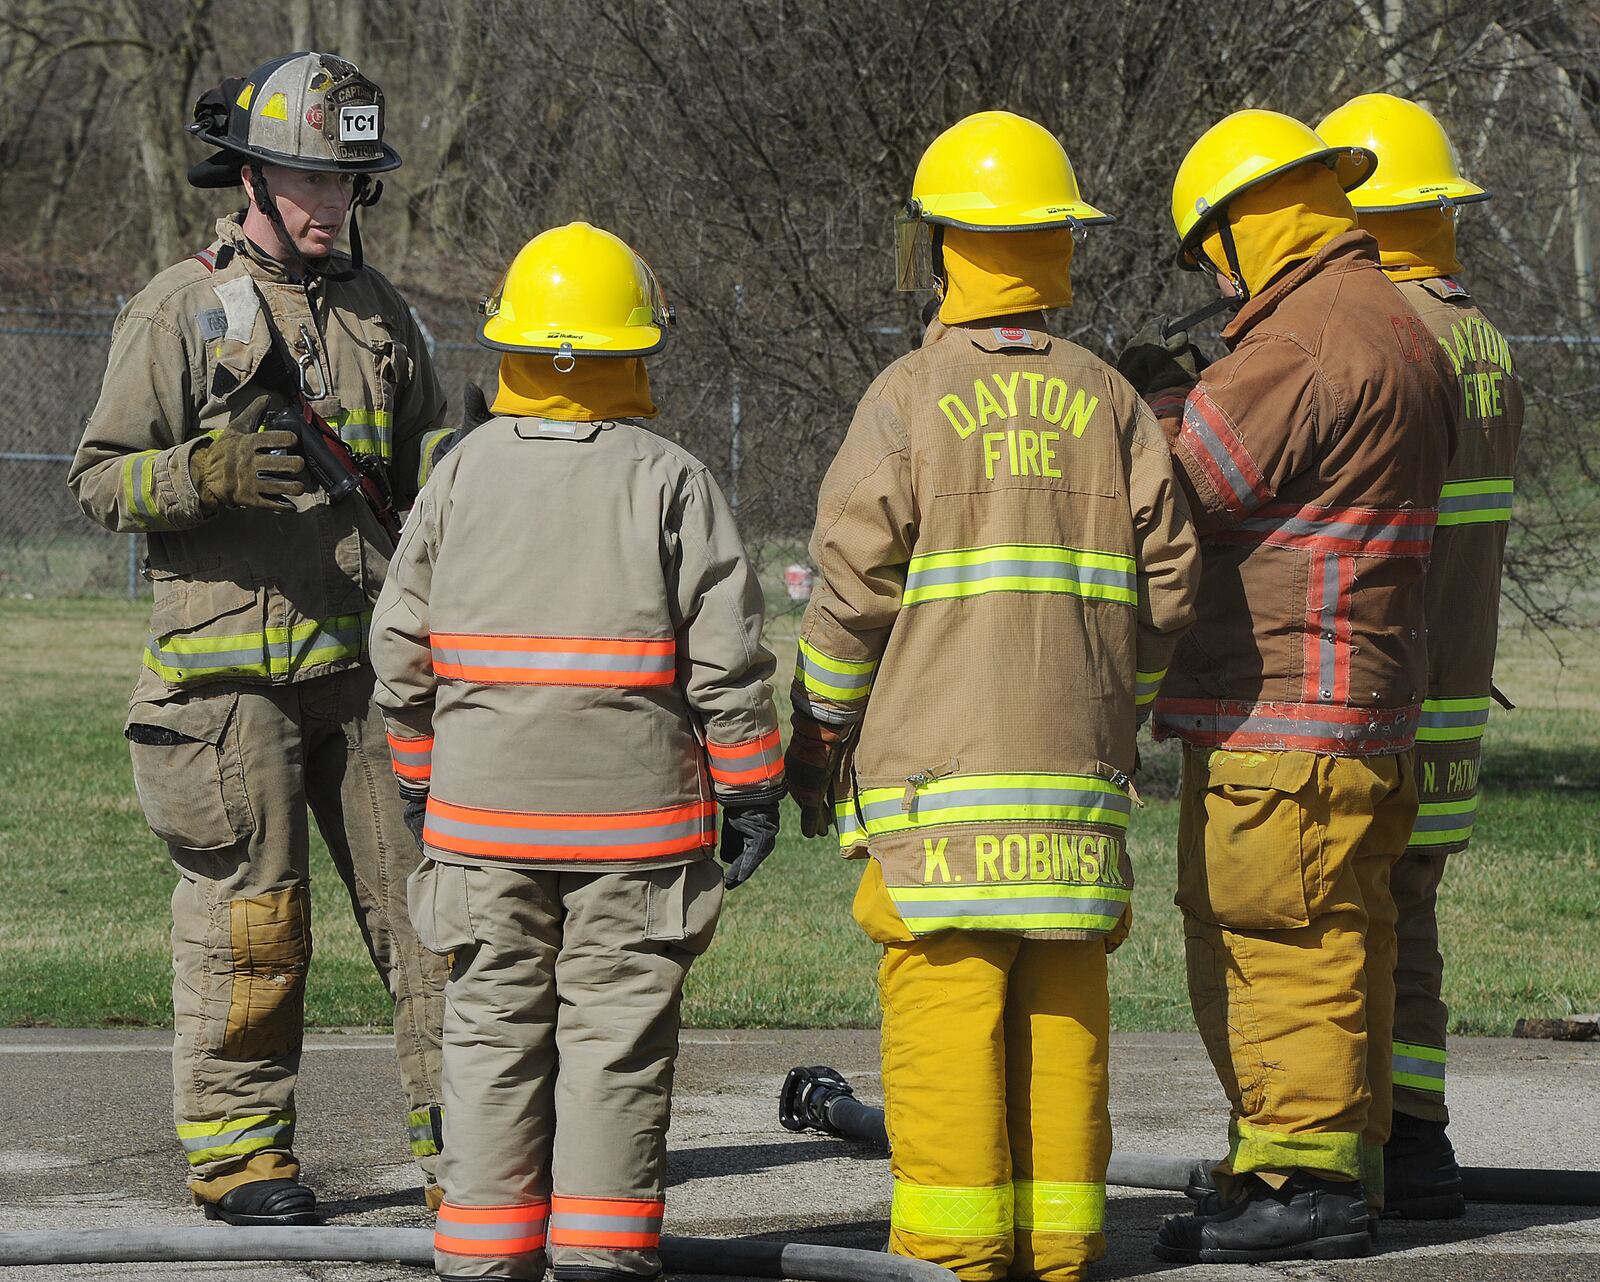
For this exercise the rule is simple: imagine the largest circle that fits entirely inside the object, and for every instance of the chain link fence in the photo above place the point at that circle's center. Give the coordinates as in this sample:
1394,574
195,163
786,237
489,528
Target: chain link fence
51,364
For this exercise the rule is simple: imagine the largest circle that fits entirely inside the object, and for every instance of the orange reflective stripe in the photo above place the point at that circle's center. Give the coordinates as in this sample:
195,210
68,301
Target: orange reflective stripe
520,834
491,1230
615,1223
753,761
413,758
554,661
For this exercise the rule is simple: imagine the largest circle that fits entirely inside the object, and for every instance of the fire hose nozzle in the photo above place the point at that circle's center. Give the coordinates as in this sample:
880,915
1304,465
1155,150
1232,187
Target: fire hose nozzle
807,1092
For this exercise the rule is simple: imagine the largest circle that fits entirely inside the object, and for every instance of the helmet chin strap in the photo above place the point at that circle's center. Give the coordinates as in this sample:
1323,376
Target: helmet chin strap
364,195
1235,273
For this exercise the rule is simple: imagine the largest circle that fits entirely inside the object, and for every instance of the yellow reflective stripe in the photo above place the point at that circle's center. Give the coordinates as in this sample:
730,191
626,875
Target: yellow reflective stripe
1052,1206
1476,502
430,446
1420,1067
1254,1148
1453,720
422,1132
995,798
1010,906
365,431
1021,567
139,490
269,652
952,1211
1442,823
235,1136
1146,685
842,680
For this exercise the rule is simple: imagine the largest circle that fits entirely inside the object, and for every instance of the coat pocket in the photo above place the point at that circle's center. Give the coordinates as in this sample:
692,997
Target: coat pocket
436,898
209,629
682,905
1249,845
187,770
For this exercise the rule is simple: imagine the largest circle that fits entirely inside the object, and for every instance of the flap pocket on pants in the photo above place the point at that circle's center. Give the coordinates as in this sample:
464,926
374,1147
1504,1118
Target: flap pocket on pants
682,905
436,898
1245,841
187,770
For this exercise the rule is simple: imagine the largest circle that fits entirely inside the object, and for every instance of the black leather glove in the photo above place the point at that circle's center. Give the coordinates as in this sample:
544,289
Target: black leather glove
1153,363
749,832
416,812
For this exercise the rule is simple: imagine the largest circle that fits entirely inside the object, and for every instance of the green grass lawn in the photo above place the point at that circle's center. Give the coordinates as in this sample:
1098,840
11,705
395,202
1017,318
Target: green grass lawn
84,885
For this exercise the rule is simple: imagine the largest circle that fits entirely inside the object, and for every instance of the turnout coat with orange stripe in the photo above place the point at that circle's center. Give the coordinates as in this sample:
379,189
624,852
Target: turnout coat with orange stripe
1313,454
568,650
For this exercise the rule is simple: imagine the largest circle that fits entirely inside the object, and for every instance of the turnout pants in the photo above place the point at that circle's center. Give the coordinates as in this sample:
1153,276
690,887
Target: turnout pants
1447,785
1284,862
996,1091
560,1038
225,774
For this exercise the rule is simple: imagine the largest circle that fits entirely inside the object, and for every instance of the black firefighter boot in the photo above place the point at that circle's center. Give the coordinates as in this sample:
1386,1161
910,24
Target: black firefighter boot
265,1203
1307,1219
1421,1180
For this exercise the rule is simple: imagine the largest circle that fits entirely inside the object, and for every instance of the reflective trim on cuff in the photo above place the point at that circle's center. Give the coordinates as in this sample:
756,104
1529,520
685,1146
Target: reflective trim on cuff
491,1231
1053,1206
953,1212
1254,1148
1419,1067
235,1136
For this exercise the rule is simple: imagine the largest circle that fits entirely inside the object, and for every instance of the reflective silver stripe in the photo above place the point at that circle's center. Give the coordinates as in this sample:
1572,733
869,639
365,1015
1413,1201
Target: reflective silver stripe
267,1128
552,660
346,638
438,824
1010,907
1327,650
1205,436
1419,1068
1337,732
1351,531
827,676
1433,719
411,756
1446,821
476,1231
1451,503
1059,571
567,1220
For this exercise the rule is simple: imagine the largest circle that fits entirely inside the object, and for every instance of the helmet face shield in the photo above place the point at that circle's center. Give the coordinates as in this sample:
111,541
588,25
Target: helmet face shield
913,251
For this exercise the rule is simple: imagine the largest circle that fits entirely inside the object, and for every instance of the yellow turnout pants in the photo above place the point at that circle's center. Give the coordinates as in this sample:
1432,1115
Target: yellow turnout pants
1289,923
995,1095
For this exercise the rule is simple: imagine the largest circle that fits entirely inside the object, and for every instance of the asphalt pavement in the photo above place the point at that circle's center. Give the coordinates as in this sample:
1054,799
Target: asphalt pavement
86,1141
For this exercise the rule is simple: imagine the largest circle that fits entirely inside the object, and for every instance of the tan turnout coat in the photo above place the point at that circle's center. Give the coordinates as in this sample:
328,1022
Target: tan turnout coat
1005,565
569,651
249,594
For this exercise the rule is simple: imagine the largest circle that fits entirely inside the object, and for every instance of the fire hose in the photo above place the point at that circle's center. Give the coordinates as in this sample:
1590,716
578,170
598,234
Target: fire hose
722,1258
820,1099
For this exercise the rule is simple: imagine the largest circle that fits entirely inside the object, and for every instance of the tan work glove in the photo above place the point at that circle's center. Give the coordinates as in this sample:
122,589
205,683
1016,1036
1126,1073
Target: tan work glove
237,469
815,768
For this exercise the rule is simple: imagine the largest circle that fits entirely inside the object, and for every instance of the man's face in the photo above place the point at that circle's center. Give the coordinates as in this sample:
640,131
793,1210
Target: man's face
312,204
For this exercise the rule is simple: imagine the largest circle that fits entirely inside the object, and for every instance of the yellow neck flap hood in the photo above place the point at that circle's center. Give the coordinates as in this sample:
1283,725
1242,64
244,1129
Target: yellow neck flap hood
1415,244
1000,273
595,388
1285,220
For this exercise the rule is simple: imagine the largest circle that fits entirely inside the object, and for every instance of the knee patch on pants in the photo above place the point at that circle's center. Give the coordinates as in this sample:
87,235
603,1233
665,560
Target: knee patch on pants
270,946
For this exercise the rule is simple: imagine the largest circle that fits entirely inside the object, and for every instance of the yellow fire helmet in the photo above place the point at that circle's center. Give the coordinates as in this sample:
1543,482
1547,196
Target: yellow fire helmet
1419,168
993,171
1242,150
576,290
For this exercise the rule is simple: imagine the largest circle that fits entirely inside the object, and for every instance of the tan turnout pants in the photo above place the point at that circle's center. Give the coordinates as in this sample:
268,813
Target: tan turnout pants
225,774
581,970
1283,877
